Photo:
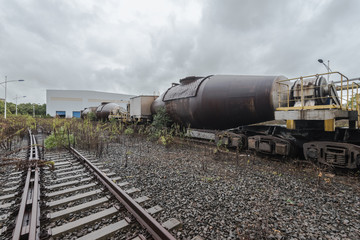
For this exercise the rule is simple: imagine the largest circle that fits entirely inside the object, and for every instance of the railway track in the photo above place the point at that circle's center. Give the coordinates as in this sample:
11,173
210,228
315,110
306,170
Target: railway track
11,186
68,196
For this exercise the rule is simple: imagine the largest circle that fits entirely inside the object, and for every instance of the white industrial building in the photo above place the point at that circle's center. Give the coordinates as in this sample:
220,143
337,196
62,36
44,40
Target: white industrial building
69,103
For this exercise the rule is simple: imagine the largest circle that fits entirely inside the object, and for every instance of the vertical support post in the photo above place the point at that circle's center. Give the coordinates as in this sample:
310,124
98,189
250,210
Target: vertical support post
358,109
352,97
302,92
329,125
347,92
16,103
5,95
288,95
290,124
328,68
279,93
341,97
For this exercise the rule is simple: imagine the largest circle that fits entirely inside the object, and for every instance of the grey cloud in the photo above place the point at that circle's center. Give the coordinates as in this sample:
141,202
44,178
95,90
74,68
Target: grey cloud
244,16
73,45
291,41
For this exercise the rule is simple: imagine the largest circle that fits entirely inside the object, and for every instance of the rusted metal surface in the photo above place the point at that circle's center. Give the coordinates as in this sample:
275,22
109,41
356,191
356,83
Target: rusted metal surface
20,216
336,154
221,101
225,138
29,205
230,139
187,88
152,226
35,208
270,145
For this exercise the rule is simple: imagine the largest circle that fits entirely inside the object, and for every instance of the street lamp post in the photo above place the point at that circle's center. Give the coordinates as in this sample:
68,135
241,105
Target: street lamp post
16,98
6,81
327,66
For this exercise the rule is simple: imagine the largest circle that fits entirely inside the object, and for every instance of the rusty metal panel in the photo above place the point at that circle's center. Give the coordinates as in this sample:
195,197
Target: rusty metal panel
200,134
265,146
252,143
187,88
235,142
281,149
269,145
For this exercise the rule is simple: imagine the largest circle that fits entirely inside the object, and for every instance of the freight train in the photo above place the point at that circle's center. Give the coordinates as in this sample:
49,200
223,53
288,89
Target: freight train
138,112
236,105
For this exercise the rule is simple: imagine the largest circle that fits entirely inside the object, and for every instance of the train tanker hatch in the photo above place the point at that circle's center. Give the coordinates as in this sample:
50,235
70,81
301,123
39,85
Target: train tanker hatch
341,155
310,99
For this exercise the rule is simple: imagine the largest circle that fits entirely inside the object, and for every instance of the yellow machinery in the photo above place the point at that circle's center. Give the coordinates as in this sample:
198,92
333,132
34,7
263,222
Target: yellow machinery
313,102
121,114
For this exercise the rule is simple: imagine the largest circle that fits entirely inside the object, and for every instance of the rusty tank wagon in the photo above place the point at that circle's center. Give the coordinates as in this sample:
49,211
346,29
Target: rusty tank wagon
221,101
105,109
309,106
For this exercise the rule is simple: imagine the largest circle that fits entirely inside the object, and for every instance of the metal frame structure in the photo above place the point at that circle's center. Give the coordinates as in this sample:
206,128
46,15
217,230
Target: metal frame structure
340,88
342,108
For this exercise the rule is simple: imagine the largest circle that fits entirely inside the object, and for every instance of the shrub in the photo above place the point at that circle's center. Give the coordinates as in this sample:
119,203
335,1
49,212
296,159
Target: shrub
91,116
129,131
59,139
161,119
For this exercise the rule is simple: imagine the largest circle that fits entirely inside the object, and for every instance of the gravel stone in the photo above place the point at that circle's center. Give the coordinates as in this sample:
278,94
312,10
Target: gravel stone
221,196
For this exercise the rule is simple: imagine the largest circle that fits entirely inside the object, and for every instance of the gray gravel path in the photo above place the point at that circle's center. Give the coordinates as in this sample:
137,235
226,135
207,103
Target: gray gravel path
219,196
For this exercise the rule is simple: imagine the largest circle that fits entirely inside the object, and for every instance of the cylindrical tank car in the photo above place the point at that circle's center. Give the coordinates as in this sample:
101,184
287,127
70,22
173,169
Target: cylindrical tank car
222,101
105,109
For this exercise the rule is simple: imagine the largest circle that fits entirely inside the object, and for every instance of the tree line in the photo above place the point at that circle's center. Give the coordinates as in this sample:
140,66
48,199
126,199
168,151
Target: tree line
23,109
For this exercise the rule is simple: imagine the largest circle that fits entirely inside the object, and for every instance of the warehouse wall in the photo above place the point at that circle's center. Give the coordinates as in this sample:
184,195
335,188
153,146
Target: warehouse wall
71,102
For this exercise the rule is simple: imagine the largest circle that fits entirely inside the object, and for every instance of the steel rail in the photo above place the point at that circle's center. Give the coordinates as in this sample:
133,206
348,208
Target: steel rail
31,194
144,218
20,216
35,208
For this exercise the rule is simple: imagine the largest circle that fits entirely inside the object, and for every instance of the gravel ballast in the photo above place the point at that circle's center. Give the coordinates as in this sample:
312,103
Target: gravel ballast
224,196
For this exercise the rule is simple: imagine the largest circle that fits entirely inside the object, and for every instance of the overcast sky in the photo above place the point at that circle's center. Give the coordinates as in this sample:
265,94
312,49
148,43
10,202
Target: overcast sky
141,47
